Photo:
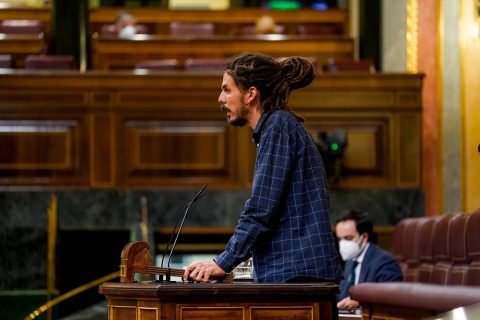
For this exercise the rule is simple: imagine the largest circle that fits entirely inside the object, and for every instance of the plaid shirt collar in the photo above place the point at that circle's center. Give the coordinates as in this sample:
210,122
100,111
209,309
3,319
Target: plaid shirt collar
257,133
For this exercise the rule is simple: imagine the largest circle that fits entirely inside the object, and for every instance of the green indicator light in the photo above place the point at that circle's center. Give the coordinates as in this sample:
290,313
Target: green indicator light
334,146
285,5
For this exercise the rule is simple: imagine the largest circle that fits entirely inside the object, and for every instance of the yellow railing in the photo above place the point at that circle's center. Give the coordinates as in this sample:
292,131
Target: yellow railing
71,293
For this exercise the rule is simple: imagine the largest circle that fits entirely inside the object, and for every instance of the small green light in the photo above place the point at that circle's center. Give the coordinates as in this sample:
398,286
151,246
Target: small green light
285,5
334,146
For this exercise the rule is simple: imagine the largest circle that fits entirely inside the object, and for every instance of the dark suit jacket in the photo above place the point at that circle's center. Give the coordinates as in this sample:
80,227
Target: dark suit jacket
378,266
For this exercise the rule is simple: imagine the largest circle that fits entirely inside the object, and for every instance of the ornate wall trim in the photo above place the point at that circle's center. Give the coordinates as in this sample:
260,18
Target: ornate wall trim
412,36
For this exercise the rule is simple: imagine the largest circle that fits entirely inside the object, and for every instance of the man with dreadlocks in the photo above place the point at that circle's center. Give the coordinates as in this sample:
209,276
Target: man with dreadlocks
286,225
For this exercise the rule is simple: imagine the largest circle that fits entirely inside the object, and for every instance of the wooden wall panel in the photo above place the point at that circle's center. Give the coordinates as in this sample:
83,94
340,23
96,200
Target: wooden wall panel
361,152
367,153
34,150
121,312
299,313
124,130
102,150
409,149
207,313
43,151
49,97
174,98
345,98
148,313
172,151
178,146
408,98
102,98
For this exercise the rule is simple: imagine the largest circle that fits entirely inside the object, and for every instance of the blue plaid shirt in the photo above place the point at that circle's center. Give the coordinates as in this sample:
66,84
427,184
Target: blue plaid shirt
286,224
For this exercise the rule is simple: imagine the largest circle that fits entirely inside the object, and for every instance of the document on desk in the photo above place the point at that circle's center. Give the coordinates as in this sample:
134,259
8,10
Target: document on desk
350,313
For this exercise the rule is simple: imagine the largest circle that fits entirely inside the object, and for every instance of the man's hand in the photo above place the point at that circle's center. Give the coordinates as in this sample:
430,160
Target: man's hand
347,303
201,271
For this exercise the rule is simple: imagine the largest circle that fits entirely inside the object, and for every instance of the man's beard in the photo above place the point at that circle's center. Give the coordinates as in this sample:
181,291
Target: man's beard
240,121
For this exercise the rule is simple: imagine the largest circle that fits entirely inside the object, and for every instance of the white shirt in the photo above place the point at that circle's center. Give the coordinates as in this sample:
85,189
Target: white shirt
359,259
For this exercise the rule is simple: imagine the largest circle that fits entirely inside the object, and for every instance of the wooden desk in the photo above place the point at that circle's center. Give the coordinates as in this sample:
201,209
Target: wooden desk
195,301
225,21
19,11
111,52
20,46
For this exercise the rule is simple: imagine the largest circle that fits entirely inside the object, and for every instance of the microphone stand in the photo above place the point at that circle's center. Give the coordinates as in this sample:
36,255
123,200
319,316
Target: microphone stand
182,216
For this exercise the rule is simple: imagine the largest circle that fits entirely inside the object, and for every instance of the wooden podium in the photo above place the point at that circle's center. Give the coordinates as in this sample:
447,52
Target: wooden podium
229,301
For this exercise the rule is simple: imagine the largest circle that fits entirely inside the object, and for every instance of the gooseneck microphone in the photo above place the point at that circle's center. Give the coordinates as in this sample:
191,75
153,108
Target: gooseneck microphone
181,217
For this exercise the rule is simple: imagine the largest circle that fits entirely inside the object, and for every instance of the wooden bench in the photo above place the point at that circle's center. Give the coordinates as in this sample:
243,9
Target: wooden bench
19,46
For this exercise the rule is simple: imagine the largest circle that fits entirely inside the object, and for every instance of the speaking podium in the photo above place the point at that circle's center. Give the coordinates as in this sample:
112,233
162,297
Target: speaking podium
229,301
221,299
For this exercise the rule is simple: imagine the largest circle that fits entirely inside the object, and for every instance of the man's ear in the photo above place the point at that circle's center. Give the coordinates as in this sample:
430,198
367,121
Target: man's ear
366,236
252,94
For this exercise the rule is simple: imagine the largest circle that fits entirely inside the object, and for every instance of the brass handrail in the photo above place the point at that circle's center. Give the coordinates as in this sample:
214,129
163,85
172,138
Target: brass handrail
52,243
71,293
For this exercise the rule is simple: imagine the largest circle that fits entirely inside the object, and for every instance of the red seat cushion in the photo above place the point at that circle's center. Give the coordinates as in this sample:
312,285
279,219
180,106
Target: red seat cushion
49,62
21,27
164,64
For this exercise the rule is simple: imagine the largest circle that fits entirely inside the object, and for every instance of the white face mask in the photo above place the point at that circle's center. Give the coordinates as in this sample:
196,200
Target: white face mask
350,249
127,32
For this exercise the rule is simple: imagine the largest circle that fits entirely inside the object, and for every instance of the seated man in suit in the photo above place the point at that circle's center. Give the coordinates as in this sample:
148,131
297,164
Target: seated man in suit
364,261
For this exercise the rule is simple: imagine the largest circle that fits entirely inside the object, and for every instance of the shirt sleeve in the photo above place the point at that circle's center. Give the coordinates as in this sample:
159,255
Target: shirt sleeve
270,183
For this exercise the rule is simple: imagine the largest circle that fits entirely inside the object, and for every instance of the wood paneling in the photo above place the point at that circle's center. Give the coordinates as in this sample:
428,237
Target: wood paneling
43,151
123,130
207,313
122,312
112,52
254,301
368,141
175,150
102,150
409,126
148,313
299,313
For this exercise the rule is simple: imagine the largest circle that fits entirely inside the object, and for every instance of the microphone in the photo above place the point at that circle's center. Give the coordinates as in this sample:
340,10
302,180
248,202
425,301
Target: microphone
182,216
182,213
